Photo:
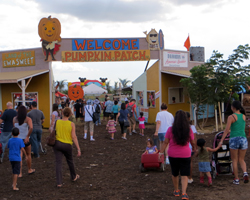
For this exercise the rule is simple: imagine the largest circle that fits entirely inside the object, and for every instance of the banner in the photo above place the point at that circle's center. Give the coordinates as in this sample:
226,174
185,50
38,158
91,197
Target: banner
104,44
98,56
175,59
18,59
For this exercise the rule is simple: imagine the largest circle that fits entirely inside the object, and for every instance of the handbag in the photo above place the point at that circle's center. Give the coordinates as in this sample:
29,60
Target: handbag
126,123
94,116
51,139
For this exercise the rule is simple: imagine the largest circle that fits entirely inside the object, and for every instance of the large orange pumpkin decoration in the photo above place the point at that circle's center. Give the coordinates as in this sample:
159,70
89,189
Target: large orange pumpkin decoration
75,92
49,29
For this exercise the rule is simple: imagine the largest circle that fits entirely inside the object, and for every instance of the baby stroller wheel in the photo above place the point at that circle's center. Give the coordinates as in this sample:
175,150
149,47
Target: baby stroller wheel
141,167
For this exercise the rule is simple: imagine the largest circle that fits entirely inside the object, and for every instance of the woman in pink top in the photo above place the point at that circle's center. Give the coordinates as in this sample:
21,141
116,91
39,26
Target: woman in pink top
178,137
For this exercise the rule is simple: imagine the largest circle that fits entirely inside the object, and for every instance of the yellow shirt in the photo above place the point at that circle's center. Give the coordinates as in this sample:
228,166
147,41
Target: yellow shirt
63,131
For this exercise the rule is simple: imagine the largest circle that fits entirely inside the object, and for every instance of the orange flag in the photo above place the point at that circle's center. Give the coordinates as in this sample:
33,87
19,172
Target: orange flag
187,43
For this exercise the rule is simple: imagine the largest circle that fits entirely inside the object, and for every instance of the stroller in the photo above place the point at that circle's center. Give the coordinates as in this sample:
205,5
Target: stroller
221,161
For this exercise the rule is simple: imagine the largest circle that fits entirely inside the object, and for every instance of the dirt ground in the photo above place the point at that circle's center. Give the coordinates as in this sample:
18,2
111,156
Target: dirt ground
109,170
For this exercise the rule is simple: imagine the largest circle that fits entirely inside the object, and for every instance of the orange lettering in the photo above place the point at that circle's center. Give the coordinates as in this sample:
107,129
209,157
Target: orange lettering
123,57
142,55
89,44
96,45
119,44
104,44
97,55
81,46
67,55
133,44
107,55
90,55
125,44
135,58
117,54
76,56
129,54
82,56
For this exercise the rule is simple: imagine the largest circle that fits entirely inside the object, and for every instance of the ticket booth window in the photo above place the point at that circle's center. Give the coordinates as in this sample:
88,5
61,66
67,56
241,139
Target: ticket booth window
151,99
176,95
29,98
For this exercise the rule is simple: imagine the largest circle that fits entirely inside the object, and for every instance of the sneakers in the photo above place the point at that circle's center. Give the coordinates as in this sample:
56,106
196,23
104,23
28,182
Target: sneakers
184,196
134,131
190,180
124,138
92,139
176,193
202,179
100,124
85,138
141,134
236,181
209,181
245,177
130,133
167,161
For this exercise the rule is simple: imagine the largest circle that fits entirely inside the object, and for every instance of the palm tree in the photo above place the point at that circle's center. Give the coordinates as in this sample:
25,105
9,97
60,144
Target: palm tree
116,87
60,85
108,87
124,82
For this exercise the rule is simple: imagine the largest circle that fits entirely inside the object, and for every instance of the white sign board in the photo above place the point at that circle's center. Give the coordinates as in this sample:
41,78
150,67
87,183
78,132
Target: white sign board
175,59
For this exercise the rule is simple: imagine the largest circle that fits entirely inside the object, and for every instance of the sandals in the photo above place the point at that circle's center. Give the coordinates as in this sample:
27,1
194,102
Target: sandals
76,178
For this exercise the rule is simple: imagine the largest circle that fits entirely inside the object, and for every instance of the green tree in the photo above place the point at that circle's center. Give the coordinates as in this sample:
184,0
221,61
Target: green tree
124,82
60,85
218,79
115,88
108,87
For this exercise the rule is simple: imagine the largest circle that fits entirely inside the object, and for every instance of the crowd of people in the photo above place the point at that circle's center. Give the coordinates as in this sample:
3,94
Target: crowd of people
177,137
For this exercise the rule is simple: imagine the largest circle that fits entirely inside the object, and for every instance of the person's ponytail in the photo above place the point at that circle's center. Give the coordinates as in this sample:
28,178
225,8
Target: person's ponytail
242,110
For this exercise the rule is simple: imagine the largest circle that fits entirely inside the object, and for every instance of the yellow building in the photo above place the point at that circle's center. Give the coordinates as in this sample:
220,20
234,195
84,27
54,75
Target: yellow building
160,83
25,75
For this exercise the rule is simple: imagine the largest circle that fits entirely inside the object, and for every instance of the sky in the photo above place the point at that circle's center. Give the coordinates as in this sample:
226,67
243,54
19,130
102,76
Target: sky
214,24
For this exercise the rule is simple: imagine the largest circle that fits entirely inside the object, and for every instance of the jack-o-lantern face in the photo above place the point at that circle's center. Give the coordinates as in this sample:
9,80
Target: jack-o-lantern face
49,29
75,92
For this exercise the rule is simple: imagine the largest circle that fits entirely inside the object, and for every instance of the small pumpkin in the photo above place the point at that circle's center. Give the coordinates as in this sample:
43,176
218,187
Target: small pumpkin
49,29
75,92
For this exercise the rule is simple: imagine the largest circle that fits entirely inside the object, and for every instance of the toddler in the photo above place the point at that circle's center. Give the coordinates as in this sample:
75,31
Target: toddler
141,124
150,149
15,146
203,157
111,126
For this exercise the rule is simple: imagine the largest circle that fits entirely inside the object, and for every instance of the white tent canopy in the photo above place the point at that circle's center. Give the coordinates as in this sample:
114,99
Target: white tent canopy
94,89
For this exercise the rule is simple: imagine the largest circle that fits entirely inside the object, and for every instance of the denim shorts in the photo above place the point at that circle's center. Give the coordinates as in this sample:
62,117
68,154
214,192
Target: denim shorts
161,136
238,143
204,167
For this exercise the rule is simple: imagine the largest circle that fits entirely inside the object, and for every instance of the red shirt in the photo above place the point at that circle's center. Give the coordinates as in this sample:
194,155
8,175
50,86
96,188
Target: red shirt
133,107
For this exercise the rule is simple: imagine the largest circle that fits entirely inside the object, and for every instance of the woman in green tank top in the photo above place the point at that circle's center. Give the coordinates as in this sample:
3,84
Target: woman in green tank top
238,143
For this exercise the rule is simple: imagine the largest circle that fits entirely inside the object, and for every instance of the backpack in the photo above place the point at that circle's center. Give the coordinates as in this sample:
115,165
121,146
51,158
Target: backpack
97,108
130,110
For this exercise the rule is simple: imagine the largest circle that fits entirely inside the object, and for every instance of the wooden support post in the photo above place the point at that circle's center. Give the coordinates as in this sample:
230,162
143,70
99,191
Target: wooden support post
221,126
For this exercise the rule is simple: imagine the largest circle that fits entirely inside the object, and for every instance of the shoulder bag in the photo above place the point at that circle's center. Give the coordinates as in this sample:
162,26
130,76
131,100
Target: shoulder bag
51,139
94,116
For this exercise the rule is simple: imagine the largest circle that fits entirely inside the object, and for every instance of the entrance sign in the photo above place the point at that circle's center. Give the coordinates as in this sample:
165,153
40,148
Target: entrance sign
104,44
18,59
175,59
98,56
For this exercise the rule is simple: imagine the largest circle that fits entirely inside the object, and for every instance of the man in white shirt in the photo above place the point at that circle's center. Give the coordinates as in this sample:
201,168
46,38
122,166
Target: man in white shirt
164,120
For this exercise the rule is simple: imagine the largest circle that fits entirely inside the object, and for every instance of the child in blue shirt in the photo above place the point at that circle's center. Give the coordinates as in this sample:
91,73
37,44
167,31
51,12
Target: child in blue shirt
15,146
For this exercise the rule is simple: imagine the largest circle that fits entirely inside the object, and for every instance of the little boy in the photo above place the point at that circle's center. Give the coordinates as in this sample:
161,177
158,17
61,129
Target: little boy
15,146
